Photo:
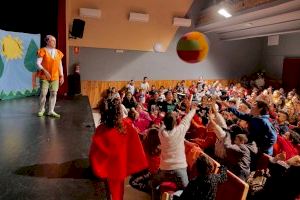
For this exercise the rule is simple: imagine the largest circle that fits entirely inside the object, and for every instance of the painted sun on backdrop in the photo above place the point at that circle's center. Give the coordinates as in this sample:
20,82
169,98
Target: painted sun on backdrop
11,47
18,54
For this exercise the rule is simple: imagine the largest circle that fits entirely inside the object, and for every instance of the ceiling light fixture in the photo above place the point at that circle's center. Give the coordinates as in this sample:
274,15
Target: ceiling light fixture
224,13
182,22
138,17
158,48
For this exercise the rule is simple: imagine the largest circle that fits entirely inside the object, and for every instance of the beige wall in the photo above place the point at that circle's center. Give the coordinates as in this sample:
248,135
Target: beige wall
113,30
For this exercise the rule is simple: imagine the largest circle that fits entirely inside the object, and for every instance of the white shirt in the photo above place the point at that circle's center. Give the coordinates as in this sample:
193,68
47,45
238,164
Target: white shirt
51,51
172,144
130,89
145,86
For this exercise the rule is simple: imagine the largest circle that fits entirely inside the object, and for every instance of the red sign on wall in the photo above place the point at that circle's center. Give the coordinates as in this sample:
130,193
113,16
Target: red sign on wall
76,50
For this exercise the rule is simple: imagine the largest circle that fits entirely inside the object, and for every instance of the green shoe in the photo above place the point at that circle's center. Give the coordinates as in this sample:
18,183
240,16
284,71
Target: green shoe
54,114
41,114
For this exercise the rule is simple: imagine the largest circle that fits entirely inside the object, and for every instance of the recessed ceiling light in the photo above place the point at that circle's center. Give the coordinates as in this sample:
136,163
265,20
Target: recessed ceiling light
224,13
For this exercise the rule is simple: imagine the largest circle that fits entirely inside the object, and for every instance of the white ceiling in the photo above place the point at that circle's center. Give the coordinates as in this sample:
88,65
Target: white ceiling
273,19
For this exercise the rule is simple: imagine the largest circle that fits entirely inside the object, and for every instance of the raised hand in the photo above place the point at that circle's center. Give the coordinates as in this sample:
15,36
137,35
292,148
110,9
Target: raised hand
224,103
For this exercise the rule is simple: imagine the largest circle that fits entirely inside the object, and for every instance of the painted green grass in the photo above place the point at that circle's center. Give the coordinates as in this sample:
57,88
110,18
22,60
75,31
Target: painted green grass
18,94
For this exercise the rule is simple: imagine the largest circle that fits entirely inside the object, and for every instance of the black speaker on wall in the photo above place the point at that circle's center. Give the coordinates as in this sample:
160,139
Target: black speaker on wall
78,28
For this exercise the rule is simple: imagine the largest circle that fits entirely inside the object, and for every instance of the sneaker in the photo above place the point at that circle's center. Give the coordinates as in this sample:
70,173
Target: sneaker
54,114
165,196
41,114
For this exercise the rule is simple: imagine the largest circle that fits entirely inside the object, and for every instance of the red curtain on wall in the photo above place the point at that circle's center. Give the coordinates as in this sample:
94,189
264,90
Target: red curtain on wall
291,74
61,41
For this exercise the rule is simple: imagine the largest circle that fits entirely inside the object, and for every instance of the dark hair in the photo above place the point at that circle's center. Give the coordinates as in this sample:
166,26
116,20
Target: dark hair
235,130
152,142
204,165
242,137
232,101
263,106
145,77
167,92
131,114
169,121
297,130
113,115
295,137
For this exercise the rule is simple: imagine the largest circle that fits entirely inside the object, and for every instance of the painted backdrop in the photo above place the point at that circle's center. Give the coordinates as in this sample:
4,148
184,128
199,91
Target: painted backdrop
18,64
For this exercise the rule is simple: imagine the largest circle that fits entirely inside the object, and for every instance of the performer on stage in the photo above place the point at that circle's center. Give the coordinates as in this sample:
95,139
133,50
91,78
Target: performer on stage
50,74
116,150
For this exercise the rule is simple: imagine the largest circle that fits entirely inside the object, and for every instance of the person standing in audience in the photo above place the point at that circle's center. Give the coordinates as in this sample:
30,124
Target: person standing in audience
145,85
261,129
51,74
130,87
116,150
173,165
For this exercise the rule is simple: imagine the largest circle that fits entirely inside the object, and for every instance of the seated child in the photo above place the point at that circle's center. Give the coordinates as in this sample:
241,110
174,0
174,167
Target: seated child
204,186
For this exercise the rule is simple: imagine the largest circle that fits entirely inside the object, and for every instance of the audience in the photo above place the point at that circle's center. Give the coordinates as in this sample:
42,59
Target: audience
233,125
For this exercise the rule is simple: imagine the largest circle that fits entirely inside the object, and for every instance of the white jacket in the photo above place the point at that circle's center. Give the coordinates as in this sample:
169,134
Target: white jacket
172,144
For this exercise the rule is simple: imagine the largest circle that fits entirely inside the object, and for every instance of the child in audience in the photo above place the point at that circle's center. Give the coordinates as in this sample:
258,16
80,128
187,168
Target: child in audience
151,144
205,185
116,150
130,87
145,85
141,96
142,120
157,116
115,93
282,124
173,163
238,157
129,101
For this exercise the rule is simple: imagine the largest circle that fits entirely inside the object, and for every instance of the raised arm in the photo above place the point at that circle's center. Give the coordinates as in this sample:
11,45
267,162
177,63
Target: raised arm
241,115
186,121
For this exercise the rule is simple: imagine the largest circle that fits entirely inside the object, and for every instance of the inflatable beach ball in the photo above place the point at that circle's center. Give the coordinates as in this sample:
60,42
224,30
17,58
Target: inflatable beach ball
193,47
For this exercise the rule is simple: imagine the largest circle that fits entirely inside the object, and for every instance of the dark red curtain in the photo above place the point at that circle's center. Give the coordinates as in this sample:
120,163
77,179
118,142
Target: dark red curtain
61,41
291,74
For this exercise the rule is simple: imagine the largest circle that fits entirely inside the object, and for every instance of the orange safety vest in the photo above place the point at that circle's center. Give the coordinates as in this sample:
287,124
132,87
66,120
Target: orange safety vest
50,64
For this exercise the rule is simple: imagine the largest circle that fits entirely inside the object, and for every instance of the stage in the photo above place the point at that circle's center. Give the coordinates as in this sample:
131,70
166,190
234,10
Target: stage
47,158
